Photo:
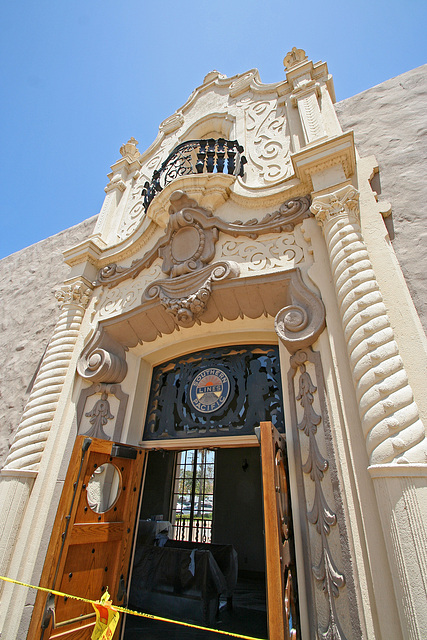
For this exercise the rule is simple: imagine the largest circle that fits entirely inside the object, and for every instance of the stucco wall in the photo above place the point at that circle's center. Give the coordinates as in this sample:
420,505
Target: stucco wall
28,313
390,122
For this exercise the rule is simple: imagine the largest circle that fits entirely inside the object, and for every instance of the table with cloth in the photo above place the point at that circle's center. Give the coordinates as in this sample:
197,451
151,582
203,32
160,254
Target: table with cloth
178,570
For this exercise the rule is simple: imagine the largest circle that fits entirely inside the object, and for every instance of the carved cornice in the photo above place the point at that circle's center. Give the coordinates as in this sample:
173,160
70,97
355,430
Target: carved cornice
103,359
227,297
116,183
192,232
77,293
325,154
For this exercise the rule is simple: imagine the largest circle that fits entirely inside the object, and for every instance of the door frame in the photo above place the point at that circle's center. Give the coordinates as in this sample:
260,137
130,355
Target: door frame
276,626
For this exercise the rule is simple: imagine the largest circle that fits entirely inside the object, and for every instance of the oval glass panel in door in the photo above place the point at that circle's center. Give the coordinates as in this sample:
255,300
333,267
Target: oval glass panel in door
103,488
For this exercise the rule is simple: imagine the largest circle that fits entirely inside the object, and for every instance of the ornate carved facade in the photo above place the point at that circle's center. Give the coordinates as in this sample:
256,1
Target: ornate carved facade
239,273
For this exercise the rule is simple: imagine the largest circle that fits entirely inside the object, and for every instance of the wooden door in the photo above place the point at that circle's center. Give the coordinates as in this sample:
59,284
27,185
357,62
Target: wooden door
91,540
281,607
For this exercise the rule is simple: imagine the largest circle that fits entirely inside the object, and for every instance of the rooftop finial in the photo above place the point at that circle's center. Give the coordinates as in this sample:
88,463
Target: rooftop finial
129,149
294,57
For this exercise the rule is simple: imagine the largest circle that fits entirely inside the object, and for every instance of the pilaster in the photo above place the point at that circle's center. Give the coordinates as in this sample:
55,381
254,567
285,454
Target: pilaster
305,95
128,165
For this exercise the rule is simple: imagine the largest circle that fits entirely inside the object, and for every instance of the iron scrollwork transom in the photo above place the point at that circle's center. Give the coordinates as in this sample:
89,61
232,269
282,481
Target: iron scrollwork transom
254,395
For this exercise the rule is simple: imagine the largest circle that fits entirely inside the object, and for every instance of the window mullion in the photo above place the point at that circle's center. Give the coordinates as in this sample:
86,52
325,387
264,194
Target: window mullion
193,496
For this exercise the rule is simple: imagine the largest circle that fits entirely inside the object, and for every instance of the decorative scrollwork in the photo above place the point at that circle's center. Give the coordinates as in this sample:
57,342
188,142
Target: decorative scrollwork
321,516
131,220
292,318
255,394
289,214
192,232
103,359
270,254
186,309
180,163
300,323
268,142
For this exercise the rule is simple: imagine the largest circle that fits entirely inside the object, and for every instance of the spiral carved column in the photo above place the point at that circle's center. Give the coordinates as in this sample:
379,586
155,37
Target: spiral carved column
394,433
29,442
392,427
22,463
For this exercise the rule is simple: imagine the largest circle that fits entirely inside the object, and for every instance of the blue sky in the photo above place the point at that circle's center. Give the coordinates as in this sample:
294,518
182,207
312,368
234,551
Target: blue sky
78,79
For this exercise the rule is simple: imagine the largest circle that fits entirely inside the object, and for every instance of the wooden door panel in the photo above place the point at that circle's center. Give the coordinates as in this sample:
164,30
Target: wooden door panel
281,609
89,549
99,532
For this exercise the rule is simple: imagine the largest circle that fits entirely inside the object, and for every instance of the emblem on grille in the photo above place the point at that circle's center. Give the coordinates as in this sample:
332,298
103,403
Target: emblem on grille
209,390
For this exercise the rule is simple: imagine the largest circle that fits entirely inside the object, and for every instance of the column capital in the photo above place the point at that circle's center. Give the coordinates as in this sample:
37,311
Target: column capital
343,202
77,293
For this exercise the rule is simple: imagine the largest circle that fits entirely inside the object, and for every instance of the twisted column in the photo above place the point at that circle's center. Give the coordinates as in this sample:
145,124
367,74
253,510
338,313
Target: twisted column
394,434
22,463
391,424
29,441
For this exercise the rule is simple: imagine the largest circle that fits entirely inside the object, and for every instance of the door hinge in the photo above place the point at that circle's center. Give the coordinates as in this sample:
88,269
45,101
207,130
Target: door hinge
119,451
121,592
49,612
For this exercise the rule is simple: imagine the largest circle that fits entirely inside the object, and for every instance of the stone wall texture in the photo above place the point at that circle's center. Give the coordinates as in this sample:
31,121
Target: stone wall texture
390,122
28,314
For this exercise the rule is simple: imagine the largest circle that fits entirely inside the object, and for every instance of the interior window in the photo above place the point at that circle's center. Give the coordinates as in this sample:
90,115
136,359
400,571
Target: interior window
193,495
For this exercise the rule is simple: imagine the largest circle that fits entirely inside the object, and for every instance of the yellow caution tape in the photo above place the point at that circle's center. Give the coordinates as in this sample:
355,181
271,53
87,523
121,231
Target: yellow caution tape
128,611
107,618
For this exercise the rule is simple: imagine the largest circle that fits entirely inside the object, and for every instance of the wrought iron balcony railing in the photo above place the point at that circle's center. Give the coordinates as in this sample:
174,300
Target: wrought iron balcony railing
196,156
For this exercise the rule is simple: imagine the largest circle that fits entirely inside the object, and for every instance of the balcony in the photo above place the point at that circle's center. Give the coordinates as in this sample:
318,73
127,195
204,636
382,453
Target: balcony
196,157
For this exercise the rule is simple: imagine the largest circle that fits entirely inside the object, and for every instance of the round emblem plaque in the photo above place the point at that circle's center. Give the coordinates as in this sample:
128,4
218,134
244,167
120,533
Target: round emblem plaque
209,390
